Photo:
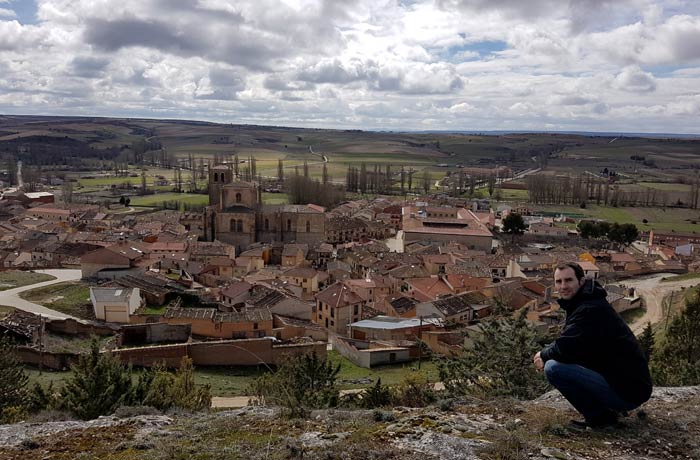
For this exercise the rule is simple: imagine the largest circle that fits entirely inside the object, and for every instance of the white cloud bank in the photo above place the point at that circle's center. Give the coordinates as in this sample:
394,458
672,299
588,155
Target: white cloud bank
598,65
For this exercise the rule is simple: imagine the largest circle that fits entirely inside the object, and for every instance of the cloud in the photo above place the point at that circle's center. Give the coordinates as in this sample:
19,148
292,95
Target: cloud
450,64
634,79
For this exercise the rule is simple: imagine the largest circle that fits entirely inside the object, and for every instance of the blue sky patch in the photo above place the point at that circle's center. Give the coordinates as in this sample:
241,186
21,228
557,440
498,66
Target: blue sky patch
25,9
483,48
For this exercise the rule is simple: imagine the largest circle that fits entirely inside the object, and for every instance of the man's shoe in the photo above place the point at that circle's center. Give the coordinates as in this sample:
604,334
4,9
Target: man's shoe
605,420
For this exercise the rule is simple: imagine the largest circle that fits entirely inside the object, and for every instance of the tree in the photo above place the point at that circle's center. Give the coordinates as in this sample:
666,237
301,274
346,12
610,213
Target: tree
67,191
646,340
499,363
676,360
426,181
299,384
623,234
13,381
280,170
513,224
98,386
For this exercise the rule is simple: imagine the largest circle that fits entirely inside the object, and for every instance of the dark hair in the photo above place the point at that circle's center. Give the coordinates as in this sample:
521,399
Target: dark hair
578,271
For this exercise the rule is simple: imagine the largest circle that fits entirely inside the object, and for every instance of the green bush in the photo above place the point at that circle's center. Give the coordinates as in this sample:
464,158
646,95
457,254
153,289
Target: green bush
300,384
13,383
676,360
499,363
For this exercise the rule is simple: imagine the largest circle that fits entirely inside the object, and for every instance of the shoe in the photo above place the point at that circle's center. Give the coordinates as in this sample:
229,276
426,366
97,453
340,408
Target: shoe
605,420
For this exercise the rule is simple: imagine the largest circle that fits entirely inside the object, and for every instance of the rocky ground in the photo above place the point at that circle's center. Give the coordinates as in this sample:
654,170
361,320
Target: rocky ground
450,430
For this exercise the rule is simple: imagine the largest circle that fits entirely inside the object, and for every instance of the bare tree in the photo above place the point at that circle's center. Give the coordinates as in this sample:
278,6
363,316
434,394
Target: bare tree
280,170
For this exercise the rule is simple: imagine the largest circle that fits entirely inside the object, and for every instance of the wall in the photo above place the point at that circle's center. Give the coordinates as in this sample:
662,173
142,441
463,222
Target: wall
154,333
247,352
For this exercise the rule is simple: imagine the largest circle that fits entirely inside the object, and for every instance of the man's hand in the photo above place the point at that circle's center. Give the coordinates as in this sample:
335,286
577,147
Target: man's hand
539,364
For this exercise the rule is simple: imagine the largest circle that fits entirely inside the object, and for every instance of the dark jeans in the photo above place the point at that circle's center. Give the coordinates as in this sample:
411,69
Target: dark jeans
585,389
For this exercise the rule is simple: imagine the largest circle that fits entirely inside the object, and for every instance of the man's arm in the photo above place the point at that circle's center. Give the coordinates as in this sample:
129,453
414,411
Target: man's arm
577,338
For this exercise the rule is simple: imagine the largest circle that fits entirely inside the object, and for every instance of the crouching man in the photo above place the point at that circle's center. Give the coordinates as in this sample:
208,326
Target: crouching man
597,362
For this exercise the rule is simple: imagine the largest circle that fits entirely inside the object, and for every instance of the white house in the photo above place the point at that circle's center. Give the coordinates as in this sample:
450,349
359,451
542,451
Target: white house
115,305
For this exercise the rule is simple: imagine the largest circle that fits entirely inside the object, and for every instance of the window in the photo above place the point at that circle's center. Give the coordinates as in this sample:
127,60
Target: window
239,225
233,225
267,225
255,325
289,225
238,197
355,310
216,177
332,323
308,226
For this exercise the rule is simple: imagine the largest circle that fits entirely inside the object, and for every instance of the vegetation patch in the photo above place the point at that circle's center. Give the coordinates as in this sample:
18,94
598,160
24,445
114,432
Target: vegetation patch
71,298
16,278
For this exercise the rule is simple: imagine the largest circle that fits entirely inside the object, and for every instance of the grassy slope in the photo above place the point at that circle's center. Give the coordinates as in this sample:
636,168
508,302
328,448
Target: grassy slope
12,279
72,298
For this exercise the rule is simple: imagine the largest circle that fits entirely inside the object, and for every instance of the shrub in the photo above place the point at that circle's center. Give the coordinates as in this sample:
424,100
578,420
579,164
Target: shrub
13,383
499,363
301,383
99,384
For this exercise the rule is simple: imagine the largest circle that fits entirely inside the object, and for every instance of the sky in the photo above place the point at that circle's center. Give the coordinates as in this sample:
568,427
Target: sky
463,65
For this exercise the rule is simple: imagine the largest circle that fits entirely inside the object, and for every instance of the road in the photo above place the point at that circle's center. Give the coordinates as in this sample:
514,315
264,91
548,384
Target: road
653,291
11,297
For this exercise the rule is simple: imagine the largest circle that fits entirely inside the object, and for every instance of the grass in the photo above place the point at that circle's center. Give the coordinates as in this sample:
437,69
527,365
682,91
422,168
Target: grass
234,380
659,219
683,277
275,198
630,316
15,278
72,298
5,309
154,200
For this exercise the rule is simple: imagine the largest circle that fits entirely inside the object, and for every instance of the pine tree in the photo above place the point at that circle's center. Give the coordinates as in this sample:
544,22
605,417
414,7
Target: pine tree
13,379
676,360
646,340
98,386
499,363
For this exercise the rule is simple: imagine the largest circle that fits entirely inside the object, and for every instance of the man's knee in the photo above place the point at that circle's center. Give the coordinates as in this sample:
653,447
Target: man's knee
553,370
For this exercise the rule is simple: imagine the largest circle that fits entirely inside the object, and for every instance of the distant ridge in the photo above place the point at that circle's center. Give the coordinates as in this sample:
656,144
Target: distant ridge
576,133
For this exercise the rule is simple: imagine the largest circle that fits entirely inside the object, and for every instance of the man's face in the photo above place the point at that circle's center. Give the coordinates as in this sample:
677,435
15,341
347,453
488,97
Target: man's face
566,283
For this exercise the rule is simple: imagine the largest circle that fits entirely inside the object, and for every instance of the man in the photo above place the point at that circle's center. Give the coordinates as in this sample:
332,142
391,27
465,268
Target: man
596,363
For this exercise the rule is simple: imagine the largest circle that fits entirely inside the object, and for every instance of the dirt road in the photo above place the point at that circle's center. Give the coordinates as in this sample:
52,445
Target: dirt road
653,291
11,297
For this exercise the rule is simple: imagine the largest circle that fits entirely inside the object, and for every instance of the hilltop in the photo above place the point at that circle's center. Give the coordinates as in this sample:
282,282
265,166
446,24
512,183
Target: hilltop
498,429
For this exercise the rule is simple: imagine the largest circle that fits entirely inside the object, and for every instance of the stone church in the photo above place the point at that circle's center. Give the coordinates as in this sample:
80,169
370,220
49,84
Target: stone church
236,215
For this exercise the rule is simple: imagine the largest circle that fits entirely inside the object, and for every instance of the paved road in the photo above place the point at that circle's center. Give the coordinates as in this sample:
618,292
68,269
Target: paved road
654,291
11,296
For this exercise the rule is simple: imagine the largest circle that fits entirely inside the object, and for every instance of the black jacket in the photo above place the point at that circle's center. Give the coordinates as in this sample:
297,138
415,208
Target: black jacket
595,337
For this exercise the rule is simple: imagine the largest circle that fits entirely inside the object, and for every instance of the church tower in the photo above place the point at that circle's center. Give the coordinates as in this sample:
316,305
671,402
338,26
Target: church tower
219,176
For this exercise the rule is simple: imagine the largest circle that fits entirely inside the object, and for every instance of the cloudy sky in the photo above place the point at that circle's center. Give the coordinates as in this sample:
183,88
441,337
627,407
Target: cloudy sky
593,65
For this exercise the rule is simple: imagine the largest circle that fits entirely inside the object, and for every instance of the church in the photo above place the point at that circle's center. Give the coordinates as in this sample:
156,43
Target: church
236,215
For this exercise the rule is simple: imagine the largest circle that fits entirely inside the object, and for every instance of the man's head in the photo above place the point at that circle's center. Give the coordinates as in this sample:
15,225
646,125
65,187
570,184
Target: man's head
568,279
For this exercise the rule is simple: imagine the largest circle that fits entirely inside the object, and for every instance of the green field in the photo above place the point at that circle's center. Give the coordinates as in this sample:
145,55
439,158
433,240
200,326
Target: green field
234,381
72,298
156,199
275,198
665,219
15,278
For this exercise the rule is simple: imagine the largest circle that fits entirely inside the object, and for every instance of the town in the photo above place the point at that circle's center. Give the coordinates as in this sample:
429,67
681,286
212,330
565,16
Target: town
380,276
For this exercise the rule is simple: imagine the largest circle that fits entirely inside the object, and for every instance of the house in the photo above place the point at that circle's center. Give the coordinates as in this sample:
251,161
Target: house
445,224
236,293
389,328
336,307
590,269
463,308
120,258
294,255
208,322
305,277
115,305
